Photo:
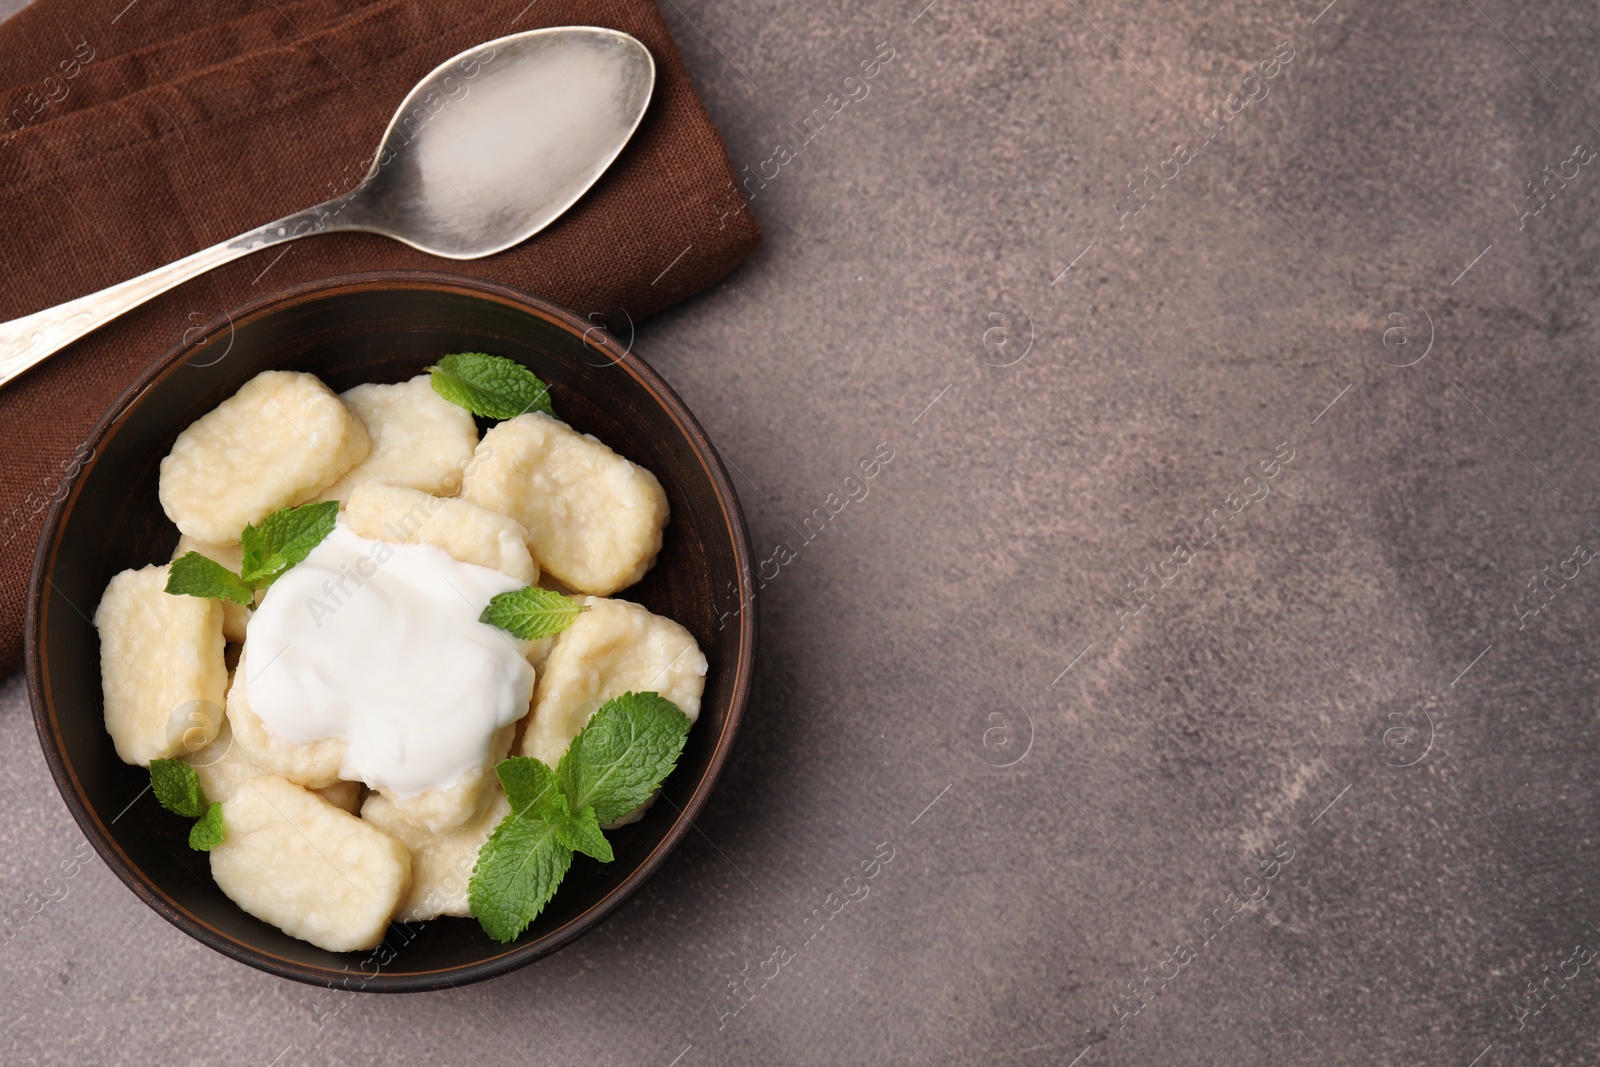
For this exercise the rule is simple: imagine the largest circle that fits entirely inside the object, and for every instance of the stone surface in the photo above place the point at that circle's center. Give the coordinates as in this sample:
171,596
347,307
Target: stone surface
1281,689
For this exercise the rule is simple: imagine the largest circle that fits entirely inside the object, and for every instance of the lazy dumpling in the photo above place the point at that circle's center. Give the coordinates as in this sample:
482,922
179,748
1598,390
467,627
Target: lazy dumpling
161,667
419,439
614,648
292,859
281,439
594,519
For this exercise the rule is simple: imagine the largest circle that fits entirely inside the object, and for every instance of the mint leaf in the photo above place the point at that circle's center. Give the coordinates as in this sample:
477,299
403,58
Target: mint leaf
206,834
524,860
615,763
283,539
581,833
622,754
530,786
192,574
491,386
177,787
532,613
517,872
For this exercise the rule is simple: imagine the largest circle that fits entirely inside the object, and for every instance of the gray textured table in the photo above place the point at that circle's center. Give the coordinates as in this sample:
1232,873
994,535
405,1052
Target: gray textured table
1316,787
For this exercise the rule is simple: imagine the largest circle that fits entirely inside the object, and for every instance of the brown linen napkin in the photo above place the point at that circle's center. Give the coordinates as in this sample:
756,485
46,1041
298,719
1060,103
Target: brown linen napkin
136,133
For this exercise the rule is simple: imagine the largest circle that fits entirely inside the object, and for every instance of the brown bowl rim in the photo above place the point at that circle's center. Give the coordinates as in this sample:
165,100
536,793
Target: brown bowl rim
518,955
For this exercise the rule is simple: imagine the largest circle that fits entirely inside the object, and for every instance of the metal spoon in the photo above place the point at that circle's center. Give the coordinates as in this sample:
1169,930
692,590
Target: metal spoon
489,149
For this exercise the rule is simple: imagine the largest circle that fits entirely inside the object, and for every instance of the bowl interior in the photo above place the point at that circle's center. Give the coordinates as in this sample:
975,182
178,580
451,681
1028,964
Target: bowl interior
377,328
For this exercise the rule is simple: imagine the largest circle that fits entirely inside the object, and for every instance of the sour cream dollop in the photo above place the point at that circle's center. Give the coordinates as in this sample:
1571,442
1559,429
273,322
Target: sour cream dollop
379,645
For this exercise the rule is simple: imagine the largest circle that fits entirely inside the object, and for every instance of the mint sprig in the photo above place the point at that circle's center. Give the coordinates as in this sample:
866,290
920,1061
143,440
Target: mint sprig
532,613
177,788
192,574
524,860
581,833
206,834
491,386
617,760
624,752
283,539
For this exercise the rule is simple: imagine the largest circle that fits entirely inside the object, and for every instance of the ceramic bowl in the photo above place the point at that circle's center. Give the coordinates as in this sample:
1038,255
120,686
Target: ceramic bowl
377,328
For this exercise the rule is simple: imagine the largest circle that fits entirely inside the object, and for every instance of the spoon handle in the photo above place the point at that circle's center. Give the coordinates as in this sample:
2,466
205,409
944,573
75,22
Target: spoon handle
28,340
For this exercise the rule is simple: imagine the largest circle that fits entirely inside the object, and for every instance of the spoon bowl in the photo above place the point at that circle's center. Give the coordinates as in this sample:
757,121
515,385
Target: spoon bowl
494,145
487,150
